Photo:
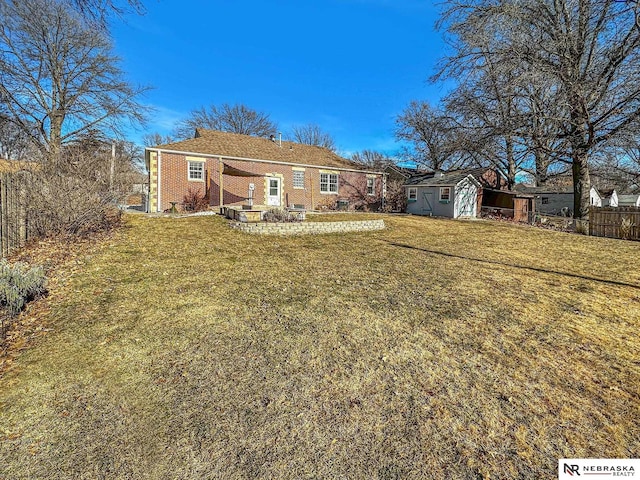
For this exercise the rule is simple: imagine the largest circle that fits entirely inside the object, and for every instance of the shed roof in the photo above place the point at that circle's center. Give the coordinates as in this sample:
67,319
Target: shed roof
441,179
234,145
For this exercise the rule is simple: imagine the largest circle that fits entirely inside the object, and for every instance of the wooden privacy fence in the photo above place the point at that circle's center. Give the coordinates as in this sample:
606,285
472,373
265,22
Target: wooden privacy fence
615,222
14,223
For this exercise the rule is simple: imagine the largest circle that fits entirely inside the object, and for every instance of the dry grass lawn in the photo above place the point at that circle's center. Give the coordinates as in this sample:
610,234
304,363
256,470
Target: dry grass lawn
433,349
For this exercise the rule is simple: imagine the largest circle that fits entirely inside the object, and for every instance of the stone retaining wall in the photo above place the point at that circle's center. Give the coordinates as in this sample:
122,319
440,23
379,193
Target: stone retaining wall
304,228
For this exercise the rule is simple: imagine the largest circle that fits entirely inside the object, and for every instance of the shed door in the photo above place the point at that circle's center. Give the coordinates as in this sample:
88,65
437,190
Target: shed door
427,202
521,209
273,195
466,200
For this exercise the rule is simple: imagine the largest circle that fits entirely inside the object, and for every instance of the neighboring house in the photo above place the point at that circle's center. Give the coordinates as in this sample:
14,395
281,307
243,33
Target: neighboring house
550,200
603,198
452,194
629,200
234,169
140,183
595,197
488,177
609,197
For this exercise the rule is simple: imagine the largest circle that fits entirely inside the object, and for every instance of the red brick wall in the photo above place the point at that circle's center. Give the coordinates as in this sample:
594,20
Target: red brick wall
492,179
174,184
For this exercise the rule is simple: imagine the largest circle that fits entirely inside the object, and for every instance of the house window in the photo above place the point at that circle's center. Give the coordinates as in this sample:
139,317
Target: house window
196,171
545,200
371,186
412,196
445,194
328,183
298,179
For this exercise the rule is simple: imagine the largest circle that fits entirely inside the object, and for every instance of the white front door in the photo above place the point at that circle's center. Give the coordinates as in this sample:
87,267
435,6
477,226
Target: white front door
274,186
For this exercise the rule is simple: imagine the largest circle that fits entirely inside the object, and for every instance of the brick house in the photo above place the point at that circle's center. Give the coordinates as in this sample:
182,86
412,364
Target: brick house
234,169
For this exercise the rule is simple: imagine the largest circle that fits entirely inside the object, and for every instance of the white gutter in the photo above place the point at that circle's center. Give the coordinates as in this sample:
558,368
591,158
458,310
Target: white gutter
243,159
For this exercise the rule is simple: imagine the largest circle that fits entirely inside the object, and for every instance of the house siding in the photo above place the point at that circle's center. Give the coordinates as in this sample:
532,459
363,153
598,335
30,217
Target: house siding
555,203
172,177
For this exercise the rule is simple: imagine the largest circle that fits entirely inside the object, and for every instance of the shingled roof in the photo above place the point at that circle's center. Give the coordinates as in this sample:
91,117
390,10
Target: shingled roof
442,178
234,145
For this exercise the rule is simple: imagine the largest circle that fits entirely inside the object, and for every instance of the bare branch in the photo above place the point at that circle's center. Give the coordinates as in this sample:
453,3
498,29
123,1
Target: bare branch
311,134
227,118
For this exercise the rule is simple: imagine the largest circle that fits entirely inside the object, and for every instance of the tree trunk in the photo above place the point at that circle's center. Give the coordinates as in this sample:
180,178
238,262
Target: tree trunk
511,163
581,185
542,168
55,137
580,145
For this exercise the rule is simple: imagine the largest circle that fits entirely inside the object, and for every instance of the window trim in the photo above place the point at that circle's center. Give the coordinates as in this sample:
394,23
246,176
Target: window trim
414,197
201,163
329,183
299,172
371,193
441,198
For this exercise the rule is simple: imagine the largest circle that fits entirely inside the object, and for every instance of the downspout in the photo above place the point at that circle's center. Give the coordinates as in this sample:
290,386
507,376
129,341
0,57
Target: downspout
221,188
147,162
383,203
311,185
159,207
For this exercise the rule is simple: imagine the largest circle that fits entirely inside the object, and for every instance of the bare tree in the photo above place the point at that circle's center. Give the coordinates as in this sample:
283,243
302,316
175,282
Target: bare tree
227,118
14,143
539,132
372,159
57,73
618,165
155,138
100,10
312,134
429,132
587,50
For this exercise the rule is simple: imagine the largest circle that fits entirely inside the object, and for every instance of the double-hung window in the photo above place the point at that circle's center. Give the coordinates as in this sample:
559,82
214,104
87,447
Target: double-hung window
371,186
412,194
328,183
196,170
445,194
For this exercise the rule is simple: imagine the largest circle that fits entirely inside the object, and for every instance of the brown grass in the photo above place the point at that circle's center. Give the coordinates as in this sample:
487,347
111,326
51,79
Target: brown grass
432,349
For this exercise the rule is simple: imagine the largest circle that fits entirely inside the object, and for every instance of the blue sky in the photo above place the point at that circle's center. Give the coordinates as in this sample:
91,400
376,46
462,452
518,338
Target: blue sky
350,66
